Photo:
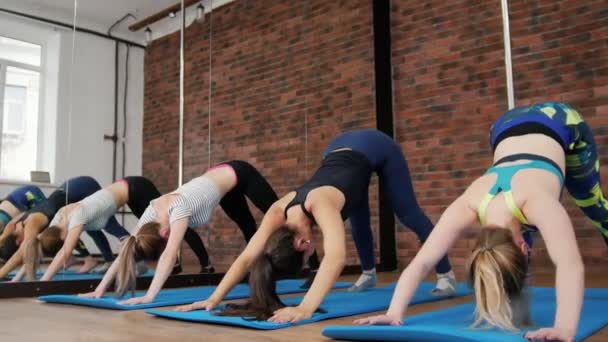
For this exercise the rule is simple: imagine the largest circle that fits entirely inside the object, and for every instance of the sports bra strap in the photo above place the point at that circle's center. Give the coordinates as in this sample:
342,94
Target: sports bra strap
503,184
295,201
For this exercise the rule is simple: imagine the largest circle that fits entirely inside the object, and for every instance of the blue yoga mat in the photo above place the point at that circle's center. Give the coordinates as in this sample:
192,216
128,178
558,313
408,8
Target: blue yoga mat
73,275
452,324
338,304
175,296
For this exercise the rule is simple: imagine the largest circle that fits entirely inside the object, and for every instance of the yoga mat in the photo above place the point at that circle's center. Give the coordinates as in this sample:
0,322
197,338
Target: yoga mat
452,324
338,304
73,275
175,296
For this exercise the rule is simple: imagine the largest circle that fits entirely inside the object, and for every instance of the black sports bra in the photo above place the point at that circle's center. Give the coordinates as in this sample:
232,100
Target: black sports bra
346,170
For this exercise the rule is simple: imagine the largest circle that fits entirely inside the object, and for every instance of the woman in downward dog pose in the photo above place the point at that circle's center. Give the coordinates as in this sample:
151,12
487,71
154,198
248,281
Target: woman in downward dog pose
338,190
533,147
17,202
25,229
164,223
93,214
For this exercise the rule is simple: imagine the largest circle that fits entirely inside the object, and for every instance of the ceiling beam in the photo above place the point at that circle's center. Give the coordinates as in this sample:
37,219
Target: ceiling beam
161,15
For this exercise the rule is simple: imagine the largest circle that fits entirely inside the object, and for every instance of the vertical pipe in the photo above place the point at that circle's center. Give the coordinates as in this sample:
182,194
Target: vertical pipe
114,134
508,60
2,84
181,97
384,122
71,90
210,86
124,113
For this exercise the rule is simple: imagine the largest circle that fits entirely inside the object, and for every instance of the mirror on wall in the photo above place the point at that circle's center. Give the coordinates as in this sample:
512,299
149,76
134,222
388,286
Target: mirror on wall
104,79
72,88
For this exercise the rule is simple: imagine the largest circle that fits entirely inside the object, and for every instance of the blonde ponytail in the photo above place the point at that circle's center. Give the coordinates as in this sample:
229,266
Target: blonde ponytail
125,278
146,245
47,243
497,272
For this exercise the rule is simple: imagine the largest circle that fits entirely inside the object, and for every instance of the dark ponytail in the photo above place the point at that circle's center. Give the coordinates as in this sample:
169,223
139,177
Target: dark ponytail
279,259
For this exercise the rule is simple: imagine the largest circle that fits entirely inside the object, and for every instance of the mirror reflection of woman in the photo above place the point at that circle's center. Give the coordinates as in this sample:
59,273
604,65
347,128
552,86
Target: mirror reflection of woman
95,213
163,225
538,149
26,229
17,202
338,190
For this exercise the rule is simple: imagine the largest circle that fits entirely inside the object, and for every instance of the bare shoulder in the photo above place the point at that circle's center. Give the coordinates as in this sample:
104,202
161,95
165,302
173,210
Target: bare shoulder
284,201
475,193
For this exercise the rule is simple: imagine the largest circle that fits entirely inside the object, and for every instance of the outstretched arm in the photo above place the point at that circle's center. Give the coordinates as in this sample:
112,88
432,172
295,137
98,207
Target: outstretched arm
273,219
9,229
32,226
19,275
12,263
547,213
165,263
64,253
453,222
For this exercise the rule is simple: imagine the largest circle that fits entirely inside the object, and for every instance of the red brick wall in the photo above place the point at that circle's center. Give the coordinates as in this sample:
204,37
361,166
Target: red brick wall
449,86
273,64
560,53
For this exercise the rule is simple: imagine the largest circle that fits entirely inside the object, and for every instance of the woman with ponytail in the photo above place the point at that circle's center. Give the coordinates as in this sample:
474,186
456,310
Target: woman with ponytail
12,207
94,213
337,191
25,233
165,223
537,150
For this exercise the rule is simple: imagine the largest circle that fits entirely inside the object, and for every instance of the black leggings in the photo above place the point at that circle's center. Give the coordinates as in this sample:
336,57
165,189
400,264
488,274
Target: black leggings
250,184
141,192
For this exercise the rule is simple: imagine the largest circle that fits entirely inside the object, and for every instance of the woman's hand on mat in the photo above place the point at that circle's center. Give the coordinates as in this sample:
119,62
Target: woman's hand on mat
94,294
550,334
137,300
379,320
290,314
203,304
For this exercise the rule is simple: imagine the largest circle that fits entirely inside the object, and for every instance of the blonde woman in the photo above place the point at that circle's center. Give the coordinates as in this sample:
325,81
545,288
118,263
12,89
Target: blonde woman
163,225
25,230
534,146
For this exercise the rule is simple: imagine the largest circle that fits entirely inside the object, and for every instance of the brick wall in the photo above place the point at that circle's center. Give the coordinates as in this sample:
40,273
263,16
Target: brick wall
274,63
277,62
560,52
449,85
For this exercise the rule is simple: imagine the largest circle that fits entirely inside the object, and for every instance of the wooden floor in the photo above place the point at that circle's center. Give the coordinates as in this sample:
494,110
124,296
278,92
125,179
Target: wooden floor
29,320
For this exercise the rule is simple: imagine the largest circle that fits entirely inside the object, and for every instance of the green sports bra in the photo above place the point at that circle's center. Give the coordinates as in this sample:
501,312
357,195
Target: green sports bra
503,182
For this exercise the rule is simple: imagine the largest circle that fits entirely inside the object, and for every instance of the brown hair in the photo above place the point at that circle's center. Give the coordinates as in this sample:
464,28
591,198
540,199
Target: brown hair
47,243
497,272
8,247
280,258
146,245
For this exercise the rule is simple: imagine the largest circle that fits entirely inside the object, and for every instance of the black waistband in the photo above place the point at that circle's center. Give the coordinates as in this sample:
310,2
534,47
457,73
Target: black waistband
528,156
528,128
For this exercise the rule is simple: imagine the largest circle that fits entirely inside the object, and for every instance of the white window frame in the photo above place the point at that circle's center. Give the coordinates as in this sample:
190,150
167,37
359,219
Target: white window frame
4,64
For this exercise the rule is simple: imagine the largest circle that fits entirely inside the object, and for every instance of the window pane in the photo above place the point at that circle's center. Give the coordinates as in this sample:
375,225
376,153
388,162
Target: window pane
20,123
20,51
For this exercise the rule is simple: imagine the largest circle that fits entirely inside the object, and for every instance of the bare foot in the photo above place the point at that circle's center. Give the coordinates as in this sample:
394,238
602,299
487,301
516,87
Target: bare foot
71,262
88,265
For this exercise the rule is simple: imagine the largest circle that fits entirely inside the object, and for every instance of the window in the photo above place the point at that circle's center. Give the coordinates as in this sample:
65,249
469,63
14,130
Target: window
20,86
